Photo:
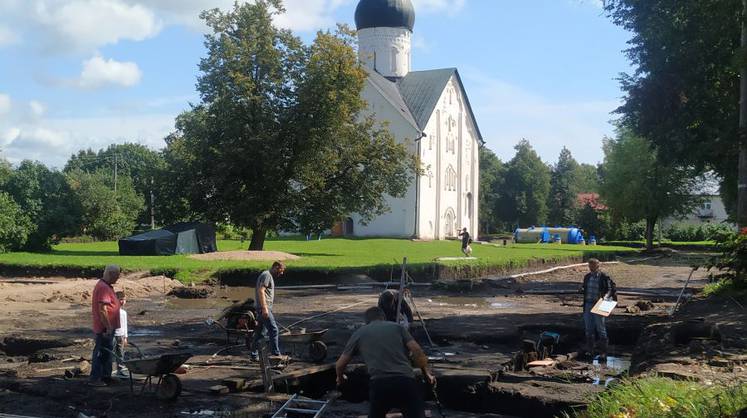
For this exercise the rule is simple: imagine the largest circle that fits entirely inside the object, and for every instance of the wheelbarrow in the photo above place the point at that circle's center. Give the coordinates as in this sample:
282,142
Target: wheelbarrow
168,387
316,349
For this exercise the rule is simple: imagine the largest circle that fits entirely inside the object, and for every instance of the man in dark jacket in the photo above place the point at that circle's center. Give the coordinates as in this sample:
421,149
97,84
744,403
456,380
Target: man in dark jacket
596,285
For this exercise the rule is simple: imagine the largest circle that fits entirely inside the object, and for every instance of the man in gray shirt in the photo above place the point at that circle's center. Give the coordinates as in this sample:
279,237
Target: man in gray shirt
265,295
384,347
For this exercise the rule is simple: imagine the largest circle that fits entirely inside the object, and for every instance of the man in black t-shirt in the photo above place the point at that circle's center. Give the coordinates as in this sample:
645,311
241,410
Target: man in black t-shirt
466,241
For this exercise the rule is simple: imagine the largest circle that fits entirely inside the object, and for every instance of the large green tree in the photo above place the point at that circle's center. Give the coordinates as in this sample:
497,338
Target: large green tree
684,93
280,139
563,189
587,178
106,214
526,188
636,186
492,172
142,165
44,196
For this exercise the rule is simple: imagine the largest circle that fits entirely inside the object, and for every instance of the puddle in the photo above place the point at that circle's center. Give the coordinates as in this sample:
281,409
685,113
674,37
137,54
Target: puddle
220,299
469,302
613,363
144,332
614,366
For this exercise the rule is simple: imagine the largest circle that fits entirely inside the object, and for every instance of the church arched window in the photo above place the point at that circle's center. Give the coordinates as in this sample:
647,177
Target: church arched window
450,179
395,53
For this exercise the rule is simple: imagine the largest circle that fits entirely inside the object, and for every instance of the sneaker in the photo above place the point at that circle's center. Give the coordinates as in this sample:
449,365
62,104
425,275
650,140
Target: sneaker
254,356
122,373
96,383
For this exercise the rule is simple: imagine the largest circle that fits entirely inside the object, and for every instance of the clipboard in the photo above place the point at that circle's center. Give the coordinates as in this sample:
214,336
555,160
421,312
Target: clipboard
604,307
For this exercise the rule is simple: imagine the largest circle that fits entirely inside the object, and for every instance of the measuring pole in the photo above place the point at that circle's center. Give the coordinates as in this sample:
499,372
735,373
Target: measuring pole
401,295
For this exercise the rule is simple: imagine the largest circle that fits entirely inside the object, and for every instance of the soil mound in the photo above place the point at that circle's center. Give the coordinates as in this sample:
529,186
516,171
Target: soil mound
246,255
191,292
79,290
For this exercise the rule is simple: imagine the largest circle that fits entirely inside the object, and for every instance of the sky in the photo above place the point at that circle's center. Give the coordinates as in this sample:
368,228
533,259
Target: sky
79,74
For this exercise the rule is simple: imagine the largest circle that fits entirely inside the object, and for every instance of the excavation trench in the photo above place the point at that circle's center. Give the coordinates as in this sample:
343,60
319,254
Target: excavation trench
498,391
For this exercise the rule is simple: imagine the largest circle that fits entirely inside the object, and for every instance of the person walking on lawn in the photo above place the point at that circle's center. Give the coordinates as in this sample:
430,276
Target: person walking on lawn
265,296
466,241
105,314
384,347
596,285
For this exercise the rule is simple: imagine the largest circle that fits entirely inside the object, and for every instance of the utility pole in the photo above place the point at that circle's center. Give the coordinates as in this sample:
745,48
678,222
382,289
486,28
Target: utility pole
115,172
742,171
152,206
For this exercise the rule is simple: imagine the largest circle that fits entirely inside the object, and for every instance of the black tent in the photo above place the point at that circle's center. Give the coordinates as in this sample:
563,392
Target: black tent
181,238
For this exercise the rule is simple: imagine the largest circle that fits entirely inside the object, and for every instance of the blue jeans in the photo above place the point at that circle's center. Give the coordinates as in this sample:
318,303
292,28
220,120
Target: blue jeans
101,359
267,327
594,325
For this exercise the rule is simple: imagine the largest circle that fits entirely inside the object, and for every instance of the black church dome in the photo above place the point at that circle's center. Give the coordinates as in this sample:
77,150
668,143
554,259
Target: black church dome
385,14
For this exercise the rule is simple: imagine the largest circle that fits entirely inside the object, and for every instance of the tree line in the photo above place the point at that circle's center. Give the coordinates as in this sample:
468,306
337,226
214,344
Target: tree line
279,140
608,200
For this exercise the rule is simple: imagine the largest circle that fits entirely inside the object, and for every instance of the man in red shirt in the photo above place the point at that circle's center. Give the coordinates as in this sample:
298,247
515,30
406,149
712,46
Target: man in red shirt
105,315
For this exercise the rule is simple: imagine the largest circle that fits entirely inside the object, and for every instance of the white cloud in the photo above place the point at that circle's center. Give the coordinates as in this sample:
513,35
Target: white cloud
4,104
507,113
98,72
37,108
53,141
87,24
7,37
301,15
448,6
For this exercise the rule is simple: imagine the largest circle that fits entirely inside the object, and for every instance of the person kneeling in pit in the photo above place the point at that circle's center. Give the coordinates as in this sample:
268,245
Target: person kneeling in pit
384,347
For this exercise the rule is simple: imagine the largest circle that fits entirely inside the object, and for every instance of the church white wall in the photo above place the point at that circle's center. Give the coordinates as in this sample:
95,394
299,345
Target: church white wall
449,152
400,220
386,50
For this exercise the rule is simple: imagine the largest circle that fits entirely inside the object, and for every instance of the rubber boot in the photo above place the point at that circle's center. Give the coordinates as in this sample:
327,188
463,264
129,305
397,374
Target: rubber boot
590,346
603,350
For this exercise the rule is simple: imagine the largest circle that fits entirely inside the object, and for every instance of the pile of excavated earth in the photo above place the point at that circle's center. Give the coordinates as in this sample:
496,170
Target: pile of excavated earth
487,348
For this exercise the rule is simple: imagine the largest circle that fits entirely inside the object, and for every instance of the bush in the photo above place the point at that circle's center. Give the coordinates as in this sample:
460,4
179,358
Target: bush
624,231
15,226
229,231
681,232
731,264
662,397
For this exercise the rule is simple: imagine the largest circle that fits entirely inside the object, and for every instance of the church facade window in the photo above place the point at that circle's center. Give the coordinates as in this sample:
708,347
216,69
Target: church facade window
450,180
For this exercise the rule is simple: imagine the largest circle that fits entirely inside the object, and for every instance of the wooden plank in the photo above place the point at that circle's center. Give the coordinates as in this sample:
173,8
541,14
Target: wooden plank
257,383
541,363
219,390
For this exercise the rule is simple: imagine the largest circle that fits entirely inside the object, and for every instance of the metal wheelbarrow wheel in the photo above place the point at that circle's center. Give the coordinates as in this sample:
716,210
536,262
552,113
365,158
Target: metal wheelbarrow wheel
317,351
169,388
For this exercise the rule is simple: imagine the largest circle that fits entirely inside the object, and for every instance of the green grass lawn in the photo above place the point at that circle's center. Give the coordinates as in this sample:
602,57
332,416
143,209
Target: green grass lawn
325,255
666,398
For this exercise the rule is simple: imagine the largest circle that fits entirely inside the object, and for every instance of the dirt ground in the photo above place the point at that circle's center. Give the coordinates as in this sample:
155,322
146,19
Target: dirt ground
477,328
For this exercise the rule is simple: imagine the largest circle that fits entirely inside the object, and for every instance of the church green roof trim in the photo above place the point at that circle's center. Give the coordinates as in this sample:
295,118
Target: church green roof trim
422,89
385,14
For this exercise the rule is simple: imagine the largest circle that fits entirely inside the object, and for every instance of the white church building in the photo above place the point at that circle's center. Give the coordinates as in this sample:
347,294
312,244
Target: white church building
428,109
